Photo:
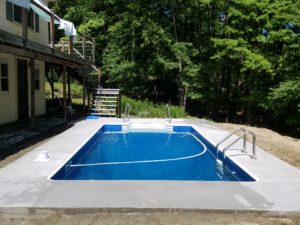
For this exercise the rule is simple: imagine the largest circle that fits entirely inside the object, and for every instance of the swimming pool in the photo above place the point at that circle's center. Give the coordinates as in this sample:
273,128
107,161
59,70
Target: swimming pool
119,152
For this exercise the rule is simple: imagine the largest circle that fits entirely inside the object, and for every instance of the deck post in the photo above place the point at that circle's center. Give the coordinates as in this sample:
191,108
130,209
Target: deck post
89,98
52,82
69,84
63,46
94,50
99,77
52,32
71,45
64,92
119,104
83,94
32,93
83,46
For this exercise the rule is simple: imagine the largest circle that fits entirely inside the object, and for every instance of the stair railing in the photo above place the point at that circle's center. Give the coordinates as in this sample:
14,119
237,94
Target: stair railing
168,113
126,113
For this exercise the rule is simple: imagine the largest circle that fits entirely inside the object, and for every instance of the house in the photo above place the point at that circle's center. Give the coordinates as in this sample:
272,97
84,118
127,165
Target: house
27,51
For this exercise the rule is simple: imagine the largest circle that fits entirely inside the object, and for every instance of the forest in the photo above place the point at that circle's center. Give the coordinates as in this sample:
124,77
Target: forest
227,60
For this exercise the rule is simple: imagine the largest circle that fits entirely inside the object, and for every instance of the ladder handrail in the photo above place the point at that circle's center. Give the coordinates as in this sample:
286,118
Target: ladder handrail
126,113
220,142
231,134
241,136
168,113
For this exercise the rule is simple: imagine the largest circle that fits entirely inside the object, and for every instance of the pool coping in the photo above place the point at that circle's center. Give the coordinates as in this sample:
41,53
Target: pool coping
24,183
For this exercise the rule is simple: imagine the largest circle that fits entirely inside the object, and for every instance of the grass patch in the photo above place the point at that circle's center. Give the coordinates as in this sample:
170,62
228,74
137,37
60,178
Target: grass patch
76,89
146,109
138,108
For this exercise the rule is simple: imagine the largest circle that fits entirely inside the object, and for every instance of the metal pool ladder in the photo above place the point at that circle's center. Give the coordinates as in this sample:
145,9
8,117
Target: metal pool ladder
126,113
244,136
168,113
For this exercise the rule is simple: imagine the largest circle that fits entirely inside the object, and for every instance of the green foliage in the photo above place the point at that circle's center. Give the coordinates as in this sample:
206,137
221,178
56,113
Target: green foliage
284,100
76,89
224,57
91,23
146,109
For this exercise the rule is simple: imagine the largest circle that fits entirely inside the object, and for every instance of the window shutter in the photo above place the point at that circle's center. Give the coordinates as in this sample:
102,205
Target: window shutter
9,11
37,23
31,19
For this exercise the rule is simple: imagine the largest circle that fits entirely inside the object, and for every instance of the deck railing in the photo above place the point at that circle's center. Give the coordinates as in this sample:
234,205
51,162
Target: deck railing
82,46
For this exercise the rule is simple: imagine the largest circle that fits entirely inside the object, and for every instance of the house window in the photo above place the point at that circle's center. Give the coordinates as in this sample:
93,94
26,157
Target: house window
18,14
37,22
37,79
31,19
3,77
14,14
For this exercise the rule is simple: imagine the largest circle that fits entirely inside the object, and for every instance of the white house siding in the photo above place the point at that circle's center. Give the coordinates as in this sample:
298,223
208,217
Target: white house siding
41,37
9,100
40,100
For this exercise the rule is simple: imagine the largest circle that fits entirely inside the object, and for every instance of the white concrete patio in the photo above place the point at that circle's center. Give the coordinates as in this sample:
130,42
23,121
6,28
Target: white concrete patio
24,183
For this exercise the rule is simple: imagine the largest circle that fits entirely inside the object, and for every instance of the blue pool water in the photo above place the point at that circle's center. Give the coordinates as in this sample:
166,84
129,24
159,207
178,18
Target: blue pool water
180,155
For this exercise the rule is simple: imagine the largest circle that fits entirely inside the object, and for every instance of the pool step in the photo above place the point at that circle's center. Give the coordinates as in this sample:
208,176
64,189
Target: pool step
108,97
100,101
105,114
106,102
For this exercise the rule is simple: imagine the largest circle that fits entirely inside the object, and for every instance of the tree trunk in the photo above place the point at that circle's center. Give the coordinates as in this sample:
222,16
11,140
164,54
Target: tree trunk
132,44
181,91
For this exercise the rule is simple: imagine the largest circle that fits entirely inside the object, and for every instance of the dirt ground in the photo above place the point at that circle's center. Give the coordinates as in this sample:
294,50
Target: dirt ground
284,147
154,218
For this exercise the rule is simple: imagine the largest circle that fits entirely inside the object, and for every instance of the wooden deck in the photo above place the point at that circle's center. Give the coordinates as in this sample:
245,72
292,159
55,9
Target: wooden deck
17,45
19,135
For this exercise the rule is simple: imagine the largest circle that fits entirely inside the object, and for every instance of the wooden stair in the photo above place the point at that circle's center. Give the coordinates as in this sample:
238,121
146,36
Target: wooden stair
107,102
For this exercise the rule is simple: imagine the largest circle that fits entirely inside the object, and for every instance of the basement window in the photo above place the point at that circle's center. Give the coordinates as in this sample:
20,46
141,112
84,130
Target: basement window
3,77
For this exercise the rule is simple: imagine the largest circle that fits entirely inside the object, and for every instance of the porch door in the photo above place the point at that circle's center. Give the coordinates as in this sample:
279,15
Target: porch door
22,89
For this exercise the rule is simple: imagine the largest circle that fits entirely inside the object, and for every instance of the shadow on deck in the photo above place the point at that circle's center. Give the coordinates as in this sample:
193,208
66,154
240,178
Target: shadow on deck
20,135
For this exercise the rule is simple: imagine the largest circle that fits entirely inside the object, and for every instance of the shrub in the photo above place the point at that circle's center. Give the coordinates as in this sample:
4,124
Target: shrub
146,109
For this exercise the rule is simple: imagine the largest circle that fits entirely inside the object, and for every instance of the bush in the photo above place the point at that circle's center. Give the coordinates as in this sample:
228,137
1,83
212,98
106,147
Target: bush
146,109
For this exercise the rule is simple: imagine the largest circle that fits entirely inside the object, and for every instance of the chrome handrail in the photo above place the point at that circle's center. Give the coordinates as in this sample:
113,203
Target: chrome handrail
243,136
126,113
168,113
244,144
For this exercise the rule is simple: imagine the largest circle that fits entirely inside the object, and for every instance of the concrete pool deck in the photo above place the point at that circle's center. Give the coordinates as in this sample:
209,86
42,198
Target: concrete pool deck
25,185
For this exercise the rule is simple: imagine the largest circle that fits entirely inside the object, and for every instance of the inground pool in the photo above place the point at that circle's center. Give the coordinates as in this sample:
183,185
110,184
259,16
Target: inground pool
118,152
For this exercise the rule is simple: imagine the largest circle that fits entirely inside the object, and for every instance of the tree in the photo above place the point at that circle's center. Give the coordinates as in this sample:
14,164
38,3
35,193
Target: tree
236,60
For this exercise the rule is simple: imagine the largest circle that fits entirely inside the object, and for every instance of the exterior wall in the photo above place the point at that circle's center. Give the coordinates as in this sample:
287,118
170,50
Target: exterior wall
9,100
40,99
40,37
